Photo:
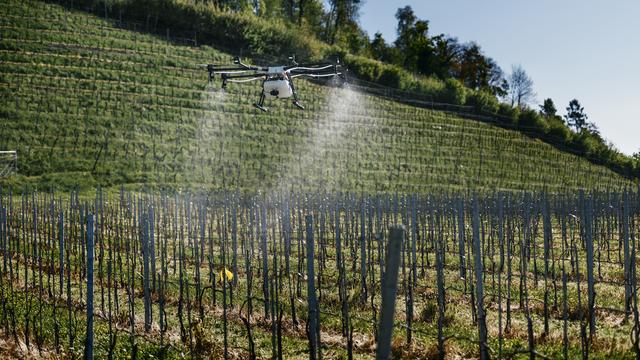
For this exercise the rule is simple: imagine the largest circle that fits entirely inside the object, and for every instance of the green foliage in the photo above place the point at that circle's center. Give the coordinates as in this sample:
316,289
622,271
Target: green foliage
413,40
313,17
383,52
479,72
439,56
392,77
483,101
508,113
366,69
354,39
344,15
453,92
426,85
532,122
585,143
548,108
237,30
558,132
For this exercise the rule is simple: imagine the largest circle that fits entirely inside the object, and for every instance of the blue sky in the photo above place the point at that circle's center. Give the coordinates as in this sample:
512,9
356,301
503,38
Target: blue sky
587,50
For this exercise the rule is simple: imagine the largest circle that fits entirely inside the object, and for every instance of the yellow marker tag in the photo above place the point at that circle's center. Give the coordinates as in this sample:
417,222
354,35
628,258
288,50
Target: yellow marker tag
226,272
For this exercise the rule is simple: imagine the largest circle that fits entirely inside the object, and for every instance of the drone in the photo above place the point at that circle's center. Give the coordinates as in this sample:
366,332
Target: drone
277,81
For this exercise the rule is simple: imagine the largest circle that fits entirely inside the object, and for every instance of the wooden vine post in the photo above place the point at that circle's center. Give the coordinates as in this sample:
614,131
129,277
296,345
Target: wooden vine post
88,348
477,253
389,290
313,324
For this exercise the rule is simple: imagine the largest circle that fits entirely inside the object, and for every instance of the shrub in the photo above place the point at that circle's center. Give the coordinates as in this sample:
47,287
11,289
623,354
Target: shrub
391,76
453,92
483,102
363,68
508,114
582,143
533,122
558,132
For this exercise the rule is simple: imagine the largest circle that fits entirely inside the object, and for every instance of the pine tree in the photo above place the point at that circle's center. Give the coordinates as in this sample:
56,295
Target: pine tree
575,116
548,109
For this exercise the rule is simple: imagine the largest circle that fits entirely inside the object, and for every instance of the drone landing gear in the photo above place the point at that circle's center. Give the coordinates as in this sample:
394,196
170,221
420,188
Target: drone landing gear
260,103
258,106
295,94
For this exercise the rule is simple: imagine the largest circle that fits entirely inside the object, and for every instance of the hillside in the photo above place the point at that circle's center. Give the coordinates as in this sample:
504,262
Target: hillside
86,102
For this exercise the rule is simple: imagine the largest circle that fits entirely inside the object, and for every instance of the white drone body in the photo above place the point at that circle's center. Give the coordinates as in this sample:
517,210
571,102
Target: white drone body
277,81
277,89
276,85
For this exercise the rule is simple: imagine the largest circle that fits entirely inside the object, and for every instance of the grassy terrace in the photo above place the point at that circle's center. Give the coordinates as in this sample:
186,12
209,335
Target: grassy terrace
87,103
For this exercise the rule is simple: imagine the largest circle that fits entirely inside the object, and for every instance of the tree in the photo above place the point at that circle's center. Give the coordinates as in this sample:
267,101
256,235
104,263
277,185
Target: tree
418,51
300,12
446,51
270,9
381,51
575,116
520,87
312,15
344,14
477,71
237,5
594,130
548,109
636,159
413,40
497,84
378,46
289,7
442,56
406,21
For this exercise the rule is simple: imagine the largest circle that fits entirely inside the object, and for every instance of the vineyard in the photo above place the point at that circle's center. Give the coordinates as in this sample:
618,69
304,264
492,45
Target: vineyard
145,213
89,102
306,275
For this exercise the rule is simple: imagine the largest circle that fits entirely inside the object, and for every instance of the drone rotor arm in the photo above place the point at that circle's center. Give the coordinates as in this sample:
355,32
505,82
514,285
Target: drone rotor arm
245,80
316,75
227,69
310,68
327,70
238,62
231,71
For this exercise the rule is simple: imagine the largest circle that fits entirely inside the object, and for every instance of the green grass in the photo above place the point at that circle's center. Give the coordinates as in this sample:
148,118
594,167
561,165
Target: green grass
86,103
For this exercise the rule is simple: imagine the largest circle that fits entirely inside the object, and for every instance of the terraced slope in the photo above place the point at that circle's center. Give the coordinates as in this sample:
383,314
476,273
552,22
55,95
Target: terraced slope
88,103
